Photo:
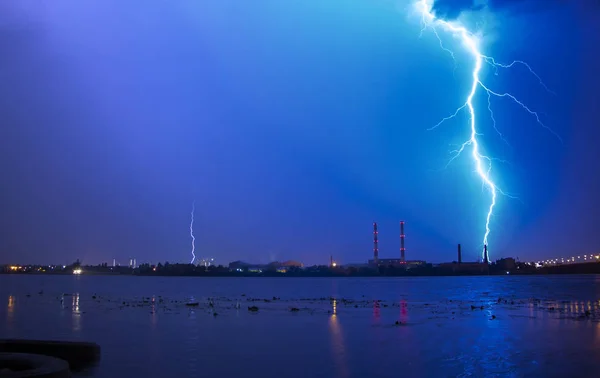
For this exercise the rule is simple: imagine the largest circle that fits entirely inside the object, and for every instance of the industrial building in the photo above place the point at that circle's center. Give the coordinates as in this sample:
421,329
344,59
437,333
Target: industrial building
397,262
467,267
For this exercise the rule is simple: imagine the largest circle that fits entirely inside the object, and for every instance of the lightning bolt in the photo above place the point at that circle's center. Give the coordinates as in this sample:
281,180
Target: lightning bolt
192,232
483,163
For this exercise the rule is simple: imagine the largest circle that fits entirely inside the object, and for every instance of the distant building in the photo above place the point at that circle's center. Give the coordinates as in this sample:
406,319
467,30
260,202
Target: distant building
241,266
206,262
385,262
397,262
506,264
237,265
275,266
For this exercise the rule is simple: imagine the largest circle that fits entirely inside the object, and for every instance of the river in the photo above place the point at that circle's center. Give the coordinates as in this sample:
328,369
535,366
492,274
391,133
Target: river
339,327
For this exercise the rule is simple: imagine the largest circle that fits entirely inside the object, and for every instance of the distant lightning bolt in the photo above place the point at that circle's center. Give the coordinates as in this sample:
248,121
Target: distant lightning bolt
483,163
192,232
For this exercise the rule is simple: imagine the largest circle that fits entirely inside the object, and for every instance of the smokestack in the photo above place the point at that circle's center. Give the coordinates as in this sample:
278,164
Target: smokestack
375,247
459,255
402,249
485,255
331,260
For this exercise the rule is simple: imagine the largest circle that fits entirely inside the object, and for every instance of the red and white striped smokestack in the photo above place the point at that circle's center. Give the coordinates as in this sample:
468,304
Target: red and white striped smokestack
375,246
402,249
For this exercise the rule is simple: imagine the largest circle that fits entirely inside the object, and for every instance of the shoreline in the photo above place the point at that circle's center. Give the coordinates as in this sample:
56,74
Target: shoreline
283,275
188,270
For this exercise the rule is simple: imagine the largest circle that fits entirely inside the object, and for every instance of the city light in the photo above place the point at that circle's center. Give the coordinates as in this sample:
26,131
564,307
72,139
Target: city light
77,271
206,262
569,260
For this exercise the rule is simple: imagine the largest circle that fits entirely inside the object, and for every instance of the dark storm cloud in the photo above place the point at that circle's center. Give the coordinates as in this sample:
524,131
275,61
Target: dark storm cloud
452,8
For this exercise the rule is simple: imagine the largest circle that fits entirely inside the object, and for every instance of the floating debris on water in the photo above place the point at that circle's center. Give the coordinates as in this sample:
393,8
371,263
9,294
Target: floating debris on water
457,310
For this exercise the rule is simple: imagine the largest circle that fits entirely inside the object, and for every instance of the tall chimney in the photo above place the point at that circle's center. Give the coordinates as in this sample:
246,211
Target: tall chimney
402,249
485,255
375,247
459,255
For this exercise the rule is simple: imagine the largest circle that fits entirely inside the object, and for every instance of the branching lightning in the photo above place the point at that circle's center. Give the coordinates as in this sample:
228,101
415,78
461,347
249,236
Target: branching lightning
483,163
192,233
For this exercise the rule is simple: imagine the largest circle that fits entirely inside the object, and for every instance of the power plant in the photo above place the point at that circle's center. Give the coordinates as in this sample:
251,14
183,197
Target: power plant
460,267
400,262
485,255
402,249
375,244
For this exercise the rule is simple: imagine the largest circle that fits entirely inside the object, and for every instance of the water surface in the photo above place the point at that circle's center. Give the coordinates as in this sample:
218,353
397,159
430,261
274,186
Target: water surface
343,327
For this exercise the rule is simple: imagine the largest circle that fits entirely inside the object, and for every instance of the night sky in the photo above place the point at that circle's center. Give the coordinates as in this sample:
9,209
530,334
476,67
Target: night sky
293,125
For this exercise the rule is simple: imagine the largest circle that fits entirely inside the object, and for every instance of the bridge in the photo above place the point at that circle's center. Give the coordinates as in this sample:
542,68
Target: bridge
577,259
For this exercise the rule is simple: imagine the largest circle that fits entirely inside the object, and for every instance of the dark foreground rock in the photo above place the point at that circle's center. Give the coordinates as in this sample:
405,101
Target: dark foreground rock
78,355
19,365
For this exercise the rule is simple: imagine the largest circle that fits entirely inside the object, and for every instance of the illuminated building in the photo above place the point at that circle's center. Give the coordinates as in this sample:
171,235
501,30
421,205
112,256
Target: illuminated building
206,262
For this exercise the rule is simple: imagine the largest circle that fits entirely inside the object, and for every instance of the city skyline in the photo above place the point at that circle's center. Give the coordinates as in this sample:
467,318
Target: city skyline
206,261
291,133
